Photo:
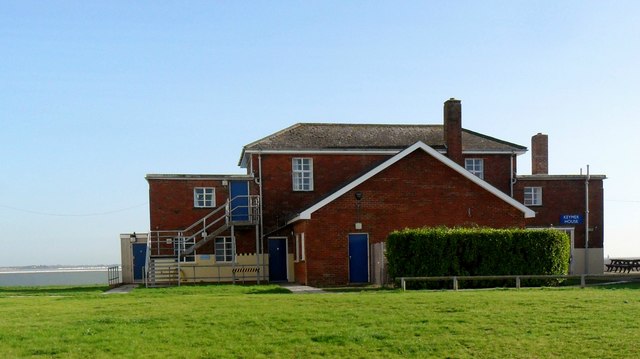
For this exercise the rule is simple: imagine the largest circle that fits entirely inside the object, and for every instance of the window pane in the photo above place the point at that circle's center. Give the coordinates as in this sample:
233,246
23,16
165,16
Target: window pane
302,174
533,196
204,197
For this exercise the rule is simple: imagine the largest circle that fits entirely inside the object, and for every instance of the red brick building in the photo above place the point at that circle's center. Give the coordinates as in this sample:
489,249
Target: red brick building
318,201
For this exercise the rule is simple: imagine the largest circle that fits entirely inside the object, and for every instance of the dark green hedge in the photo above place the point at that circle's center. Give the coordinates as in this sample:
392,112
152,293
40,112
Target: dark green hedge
430,252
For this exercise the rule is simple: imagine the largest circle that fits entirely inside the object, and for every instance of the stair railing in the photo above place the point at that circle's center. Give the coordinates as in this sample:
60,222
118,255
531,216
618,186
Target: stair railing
147,261
163,242
252,208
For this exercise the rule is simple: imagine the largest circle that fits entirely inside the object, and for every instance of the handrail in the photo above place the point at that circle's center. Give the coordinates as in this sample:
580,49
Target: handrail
252,205
145,269
203,219
113,275
518,278
173,243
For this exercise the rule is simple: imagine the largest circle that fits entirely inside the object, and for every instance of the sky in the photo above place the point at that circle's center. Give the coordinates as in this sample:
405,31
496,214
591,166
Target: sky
94,95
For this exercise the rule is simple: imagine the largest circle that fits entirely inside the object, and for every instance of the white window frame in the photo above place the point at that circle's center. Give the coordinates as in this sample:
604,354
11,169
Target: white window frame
224,244
475,166
204,197
180,246
533,196
302,178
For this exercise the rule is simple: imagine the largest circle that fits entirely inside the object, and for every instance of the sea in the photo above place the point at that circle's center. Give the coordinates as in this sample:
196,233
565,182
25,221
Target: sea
53,275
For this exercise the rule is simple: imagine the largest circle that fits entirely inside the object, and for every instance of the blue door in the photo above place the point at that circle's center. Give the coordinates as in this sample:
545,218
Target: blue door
358,258
277,260
139,258
239,193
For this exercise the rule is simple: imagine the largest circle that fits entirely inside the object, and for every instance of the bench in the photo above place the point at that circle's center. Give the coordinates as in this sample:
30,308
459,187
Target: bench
623,265
620,267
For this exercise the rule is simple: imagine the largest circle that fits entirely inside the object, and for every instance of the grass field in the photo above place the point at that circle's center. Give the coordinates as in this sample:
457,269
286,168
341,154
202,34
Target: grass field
266,321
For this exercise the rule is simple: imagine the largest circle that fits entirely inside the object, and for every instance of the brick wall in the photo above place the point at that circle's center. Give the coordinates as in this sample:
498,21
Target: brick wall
417,191
332,172
497,170
171,202
560,197
171,208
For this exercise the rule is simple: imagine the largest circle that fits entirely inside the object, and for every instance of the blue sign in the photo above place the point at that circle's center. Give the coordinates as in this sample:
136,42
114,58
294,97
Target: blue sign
571,219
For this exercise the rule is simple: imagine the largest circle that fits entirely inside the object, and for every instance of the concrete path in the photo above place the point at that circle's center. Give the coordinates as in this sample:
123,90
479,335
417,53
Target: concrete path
123,289
301,289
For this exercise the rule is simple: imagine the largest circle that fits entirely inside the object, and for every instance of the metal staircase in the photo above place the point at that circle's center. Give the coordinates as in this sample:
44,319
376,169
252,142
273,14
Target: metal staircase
163,271
166,250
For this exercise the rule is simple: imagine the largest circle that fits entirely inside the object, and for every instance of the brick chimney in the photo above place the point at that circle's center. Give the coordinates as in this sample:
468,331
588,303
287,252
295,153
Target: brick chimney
453,130
540,154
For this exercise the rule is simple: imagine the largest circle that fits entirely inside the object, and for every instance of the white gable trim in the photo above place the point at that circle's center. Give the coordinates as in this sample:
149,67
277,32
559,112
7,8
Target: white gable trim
306,214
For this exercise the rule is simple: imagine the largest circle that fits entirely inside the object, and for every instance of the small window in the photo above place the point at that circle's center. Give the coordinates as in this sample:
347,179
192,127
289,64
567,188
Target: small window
224,249
533,196
475,166
204,197
302,170
180,245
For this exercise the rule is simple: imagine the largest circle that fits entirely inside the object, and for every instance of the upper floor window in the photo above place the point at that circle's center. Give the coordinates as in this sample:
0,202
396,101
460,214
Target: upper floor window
475,166
533,196
302,174
204,197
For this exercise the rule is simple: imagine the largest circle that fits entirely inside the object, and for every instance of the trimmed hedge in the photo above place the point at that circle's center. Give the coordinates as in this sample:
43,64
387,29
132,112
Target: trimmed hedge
431,252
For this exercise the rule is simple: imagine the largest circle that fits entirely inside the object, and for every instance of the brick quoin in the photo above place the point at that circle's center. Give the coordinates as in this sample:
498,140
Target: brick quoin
417,191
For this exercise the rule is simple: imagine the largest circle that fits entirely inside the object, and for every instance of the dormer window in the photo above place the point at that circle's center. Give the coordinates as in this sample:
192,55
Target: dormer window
475,166
302,174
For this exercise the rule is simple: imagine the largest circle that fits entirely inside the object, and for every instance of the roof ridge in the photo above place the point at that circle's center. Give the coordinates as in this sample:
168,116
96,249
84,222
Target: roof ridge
273,135
367,124
494,139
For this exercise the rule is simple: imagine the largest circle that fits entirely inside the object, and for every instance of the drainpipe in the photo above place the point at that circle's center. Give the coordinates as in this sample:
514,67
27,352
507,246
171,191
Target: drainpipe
586,224
261,242
512,180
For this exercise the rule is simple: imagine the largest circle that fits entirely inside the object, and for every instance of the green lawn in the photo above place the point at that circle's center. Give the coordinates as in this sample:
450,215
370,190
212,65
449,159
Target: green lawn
263,321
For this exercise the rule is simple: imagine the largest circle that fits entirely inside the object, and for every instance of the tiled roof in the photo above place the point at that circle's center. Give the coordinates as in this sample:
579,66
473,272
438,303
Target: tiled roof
330,136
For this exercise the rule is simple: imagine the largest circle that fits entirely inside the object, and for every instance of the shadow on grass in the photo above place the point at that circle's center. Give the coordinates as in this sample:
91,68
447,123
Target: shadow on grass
363,288
269,290
62,290
619,285
223,289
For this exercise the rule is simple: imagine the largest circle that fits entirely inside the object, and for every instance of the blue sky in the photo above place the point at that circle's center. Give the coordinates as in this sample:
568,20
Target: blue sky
94,95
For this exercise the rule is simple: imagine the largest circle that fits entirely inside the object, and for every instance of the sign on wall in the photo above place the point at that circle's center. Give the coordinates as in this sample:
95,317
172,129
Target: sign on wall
571,219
